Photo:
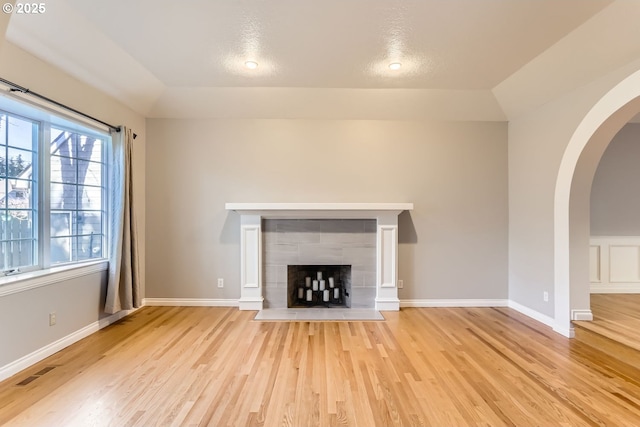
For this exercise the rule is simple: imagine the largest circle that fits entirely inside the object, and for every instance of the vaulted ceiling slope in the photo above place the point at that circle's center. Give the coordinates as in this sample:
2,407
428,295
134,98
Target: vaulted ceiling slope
460,59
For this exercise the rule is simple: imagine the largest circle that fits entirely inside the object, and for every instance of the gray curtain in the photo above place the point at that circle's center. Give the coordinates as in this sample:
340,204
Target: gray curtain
123,288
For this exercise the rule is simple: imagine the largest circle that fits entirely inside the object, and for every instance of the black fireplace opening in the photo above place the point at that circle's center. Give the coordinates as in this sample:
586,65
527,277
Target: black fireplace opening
318,286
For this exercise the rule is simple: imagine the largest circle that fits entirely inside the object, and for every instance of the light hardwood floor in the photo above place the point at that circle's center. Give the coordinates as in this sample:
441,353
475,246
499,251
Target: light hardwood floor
615,329
166,366
617,317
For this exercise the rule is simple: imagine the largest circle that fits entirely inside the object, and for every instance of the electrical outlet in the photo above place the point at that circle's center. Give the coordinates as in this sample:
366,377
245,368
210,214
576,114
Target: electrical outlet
52,318
221,283
400,284
545,296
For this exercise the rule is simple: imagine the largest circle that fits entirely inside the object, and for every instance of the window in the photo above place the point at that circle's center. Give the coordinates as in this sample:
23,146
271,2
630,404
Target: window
76,198
52,189
18,192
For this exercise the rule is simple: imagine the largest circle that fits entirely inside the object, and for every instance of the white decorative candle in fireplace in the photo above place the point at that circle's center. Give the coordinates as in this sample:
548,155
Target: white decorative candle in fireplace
338,276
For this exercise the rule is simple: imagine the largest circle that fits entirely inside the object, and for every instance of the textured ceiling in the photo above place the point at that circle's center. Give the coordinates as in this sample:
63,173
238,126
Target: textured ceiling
153,54
459,44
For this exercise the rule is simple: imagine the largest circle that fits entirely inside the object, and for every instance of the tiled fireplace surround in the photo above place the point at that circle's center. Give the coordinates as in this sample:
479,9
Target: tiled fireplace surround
319,242
273,235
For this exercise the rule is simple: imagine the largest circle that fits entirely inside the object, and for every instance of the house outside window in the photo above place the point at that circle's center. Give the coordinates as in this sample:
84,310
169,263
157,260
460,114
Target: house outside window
18,192
53,175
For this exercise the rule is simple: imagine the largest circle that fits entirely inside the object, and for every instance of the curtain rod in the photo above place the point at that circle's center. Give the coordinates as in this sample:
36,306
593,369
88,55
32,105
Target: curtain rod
17,88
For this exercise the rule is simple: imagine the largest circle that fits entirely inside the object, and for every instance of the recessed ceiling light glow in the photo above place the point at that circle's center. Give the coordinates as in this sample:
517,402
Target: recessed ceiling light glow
252,65
395,66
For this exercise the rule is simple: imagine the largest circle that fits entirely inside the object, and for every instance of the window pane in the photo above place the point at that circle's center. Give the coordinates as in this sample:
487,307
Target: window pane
19,163
76,196
63,143
89,222
3,146
22,133
57,136
60,249
17,213
89,247
90,198
61,224
91,171
20,254
63,196
17,225
90,148
3,130
5,225
19,196
63,169
77,248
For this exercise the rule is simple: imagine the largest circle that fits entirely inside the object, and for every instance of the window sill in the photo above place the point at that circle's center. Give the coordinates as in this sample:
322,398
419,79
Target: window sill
36,279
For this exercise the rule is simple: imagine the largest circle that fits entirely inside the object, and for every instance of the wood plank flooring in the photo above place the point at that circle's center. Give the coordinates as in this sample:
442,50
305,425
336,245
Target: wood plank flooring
616,316
190,366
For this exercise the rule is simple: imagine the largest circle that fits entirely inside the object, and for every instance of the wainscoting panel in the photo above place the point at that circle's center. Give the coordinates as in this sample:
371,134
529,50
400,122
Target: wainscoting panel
623,263
614,264
594,264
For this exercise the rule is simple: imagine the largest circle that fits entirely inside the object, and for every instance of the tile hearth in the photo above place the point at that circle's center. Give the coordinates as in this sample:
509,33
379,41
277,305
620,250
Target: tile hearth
318,314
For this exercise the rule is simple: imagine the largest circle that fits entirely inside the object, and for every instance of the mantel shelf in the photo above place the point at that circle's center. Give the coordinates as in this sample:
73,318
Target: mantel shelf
319,210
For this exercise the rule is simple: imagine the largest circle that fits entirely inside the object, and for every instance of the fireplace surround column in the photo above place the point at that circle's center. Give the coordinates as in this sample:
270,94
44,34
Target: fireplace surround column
386,215
251,297
387,263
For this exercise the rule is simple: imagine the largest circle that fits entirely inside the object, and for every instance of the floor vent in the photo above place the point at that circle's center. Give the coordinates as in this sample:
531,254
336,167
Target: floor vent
45,370
27,380
36,375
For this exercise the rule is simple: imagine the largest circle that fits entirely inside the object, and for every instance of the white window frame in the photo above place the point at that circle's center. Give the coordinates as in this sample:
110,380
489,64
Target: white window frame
36,188
105,143
43,272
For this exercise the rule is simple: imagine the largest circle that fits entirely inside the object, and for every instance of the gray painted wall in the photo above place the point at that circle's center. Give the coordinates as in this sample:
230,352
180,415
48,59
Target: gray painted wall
453,245
537,142
536,145
615,194
78,302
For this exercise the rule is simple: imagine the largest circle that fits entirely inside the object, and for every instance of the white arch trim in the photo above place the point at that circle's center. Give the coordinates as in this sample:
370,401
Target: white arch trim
622,94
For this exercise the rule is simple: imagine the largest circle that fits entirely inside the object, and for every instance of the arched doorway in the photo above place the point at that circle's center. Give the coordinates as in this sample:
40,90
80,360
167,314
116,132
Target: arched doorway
572,192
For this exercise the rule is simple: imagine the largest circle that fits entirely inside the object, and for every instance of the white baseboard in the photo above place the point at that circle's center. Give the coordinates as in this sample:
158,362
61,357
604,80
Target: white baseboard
535,315
190,302
615,288
251,303
542,318
387,304
453,303
569,333
584,314
46,351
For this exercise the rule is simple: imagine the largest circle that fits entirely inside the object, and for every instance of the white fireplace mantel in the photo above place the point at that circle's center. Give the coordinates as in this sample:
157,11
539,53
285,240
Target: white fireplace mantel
251,215
319,210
